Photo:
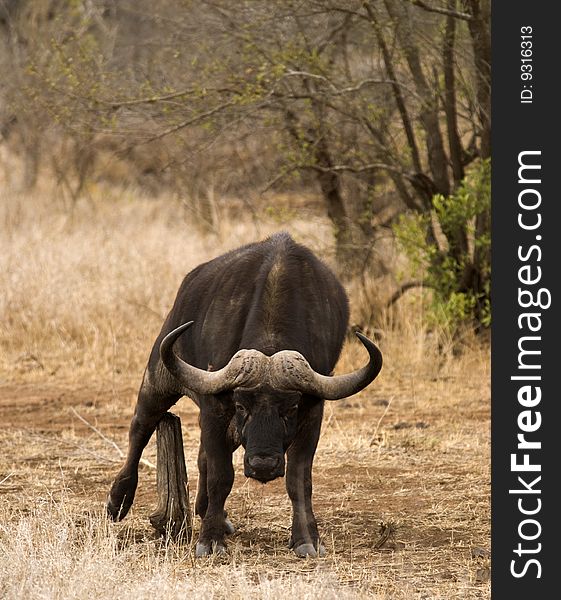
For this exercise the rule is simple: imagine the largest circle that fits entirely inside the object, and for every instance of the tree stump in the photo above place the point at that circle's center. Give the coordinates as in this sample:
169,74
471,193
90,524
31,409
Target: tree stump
172,517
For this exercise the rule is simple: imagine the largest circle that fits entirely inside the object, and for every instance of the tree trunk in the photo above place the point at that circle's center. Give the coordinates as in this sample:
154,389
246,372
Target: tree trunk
172,517
31,148
481,37
428,116
352,240
450,102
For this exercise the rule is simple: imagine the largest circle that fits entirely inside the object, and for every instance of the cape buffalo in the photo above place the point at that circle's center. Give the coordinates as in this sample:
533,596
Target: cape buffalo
252,338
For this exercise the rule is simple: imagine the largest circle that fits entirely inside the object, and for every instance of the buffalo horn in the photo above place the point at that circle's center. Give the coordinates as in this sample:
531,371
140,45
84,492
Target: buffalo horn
246,368
292,371
285,370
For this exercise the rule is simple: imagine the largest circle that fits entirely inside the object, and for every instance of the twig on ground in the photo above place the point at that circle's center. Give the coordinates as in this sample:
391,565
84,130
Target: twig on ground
387,531
81,447
144,461
6,478
93,428
375,434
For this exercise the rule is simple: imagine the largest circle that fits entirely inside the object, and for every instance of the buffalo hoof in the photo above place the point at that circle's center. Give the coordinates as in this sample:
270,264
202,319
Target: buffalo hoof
309,550
121,496
207,548
230,529
116,512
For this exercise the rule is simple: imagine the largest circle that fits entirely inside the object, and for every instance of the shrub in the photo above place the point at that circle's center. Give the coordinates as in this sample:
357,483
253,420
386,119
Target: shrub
449,248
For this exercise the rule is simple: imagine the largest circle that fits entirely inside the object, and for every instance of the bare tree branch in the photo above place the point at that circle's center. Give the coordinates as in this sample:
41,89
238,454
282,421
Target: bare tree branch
149,100
352,169
357,87
192,121
441,11
404,288
279,177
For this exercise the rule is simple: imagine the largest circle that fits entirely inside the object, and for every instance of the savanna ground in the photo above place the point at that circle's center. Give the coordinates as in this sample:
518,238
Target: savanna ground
402,472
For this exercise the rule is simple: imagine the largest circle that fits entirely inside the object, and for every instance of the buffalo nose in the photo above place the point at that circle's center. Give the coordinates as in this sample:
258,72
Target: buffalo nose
264,463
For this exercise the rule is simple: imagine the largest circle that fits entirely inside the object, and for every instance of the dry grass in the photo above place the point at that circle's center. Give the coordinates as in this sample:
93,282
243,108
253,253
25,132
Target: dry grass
85,292
84,295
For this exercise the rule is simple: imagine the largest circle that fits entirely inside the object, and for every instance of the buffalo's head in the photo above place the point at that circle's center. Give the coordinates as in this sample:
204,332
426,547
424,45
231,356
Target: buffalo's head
267,392
266,421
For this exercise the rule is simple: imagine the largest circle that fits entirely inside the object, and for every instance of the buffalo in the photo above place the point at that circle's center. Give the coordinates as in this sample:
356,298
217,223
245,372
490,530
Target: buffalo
252,338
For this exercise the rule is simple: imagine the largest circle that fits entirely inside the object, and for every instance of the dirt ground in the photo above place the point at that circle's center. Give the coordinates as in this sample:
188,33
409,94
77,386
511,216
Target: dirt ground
401,480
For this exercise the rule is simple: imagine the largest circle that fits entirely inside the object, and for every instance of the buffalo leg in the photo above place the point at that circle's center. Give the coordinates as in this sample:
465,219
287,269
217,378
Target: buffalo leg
201,502
215,458
150,408
305,537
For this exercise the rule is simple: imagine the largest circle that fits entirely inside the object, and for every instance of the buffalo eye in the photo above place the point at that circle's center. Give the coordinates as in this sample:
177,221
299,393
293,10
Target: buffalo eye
241,409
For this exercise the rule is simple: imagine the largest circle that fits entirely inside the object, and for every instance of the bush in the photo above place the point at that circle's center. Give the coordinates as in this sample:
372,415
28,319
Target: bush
450,249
